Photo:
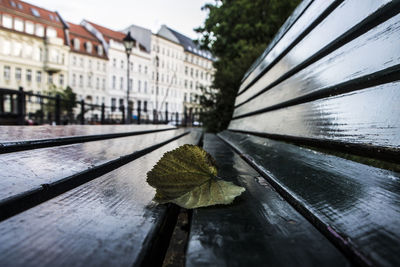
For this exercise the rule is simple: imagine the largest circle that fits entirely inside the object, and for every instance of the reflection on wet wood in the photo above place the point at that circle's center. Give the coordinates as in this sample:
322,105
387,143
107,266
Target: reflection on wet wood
338,69
258,229
369,117
334,30
355,204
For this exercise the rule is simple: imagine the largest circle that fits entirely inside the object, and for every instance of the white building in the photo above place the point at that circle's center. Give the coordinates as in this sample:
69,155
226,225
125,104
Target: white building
196,69
139,68
87,68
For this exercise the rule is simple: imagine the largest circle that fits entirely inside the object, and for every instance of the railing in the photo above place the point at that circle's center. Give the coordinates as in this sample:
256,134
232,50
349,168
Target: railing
19,107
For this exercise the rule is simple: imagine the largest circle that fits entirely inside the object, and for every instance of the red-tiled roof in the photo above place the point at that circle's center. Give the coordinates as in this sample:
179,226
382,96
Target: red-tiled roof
26,11
78,32
108,33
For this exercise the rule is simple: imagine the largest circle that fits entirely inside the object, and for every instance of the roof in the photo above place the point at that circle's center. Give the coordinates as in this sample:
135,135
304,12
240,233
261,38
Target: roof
78,32
142,35
108,33
34,13
188,44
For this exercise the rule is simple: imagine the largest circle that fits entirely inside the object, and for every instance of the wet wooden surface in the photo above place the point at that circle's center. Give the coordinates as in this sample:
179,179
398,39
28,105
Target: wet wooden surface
258,229
369,117
29,170
24,133
109,221
309,14
346,65
357,205
335,28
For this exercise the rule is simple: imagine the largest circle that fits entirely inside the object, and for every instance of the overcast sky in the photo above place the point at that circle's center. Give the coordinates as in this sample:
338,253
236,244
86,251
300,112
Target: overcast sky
181,15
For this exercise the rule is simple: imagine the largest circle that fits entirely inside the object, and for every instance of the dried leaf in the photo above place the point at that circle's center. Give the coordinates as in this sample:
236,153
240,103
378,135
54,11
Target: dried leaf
187,176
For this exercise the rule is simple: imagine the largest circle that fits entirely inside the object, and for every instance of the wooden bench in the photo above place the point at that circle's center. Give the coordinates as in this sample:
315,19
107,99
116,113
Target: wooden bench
315,139
78,196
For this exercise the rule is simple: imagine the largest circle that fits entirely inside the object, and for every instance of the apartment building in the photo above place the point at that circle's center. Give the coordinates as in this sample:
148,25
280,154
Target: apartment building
196,67
33,47
88,66
139,71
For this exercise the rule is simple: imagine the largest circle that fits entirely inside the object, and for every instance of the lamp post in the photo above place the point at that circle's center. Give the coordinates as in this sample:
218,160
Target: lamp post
129,42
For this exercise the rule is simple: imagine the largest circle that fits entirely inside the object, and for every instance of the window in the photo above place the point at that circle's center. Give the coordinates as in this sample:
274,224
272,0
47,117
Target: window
7,73
98,65
186,83
90,63
7,21
6,47
38,76
191,72
186,70
97,83
145,106
197,73
139,86
191,85
39,30
122,64
121,103
89,81
114,62
18,74
81,62
29,75
145,87
51,32
99,50
131,66
145,69
88,46
113,104
114,81
121,86
74,61
104,84
18,25
73,79
130,84
77,44
104,66
61,79
140,68
80,80
50,78
35,12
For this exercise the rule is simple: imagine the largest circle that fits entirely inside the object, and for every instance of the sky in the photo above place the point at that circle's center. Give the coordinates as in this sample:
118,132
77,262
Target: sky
180,15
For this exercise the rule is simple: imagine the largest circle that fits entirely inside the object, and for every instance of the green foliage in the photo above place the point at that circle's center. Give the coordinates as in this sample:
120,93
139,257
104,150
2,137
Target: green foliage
67,103
236,32
187,176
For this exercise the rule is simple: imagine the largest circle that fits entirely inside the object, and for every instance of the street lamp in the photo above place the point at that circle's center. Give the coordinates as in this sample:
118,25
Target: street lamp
129,42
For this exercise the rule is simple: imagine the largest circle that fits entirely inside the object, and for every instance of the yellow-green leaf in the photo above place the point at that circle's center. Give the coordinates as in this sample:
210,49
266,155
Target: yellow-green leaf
187,176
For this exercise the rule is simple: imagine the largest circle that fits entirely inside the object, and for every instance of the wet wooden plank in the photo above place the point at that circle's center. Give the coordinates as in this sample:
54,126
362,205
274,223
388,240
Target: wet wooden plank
355,204
33,172
24,133
346,68
258,229
256,69
369,118
307,19
350,18
109,221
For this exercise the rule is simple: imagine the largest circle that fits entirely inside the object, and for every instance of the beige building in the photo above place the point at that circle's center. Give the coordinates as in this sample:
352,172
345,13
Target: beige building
33,50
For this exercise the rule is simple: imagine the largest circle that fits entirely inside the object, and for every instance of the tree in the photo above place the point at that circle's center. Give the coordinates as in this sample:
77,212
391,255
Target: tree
236,32
67,103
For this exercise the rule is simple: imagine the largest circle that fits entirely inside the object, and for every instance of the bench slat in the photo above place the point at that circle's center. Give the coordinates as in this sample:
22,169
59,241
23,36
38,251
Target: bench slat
31,173
109,221
350,17
368,118
25,133
258,229
357,205
347,67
